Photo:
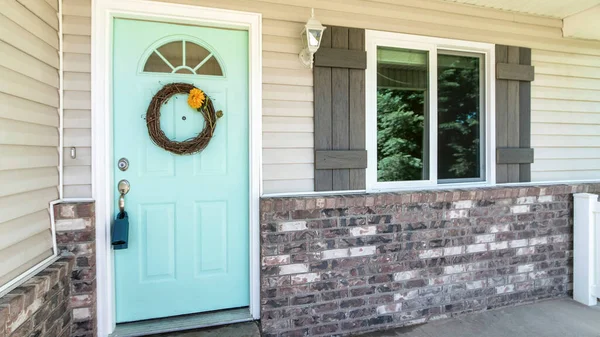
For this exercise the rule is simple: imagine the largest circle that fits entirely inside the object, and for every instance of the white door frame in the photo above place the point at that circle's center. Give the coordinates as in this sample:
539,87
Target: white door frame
103,14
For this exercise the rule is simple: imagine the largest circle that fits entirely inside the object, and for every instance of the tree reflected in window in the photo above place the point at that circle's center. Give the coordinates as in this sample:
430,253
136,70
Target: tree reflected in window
400,131
402,137
403,116
459,117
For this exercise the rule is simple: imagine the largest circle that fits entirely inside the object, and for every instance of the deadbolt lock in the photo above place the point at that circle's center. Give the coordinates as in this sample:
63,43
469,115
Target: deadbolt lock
123,164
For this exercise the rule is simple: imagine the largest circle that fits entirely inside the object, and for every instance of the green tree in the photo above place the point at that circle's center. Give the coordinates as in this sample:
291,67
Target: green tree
400,122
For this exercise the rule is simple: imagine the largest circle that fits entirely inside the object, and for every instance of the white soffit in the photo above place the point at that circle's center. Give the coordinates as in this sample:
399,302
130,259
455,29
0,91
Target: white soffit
559,9
583,25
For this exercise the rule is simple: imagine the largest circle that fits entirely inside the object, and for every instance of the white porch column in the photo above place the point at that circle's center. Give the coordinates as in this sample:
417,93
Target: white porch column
584,251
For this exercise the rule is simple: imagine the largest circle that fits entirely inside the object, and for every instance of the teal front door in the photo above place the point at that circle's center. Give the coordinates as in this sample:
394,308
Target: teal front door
189,229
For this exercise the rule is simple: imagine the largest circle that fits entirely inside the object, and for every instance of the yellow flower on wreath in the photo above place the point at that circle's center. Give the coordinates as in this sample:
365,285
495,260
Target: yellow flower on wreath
196,98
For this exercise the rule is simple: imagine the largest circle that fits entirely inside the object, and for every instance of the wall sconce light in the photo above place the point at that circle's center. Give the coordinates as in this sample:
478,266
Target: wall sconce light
311,39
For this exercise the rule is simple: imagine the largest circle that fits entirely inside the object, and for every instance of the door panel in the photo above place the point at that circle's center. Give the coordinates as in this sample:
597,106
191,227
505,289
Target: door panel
211,245
157,244
188,245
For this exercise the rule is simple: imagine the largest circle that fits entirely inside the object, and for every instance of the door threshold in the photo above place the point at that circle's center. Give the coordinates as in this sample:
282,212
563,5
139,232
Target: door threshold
181,323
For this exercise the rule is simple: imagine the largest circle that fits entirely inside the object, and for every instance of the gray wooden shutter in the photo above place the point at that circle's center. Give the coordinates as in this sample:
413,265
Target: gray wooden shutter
514,74
339,86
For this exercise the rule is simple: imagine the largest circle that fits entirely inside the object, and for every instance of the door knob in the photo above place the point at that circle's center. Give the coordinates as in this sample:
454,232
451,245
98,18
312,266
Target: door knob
120,229
123,188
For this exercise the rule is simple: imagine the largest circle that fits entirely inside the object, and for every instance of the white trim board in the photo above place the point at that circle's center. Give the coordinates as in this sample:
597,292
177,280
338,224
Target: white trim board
103,14
61,103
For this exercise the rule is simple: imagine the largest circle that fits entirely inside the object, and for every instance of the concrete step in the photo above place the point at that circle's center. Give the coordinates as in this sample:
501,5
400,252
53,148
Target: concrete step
248,329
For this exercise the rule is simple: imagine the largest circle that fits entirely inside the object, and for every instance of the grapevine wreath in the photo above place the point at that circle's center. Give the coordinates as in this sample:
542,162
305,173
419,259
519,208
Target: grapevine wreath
199,101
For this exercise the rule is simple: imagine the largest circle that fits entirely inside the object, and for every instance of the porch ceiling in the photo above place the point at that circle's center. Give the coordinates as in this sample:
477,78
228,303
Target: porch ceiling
559,9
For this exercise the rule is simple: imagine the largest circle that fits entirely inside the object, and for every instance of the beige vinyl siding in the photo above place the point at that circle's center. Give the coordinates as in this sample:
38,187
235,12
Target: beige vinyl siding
566,116
77,178
287,111
287,85
29,83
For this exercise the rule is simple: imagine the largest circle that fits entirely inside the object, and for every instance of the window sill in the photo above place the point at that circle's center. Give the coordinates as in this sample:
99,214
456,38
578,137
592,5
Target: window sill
428,187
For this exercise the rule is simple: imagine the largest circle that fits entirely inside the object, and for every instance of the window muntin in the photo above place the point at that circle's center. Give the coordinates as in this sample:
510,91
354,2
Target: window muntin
468,162
183,57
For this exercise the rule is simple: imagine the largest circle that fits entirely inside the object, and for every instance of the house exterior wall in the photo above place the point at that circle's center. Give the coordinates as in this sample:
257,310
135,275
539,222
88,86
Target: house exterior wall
565,94
341,265
77,98
29,138
312,246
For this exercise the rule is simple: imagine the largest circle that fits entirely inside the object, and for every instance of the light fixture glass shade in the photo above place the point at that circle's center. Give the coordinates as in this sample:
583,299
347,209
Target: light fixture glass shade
311,40
314,37
304,39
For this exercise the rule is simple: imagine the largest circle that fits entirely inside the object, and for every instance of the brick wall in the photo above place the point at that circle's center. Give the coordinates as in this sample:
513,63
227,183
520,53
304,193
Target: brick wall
40,306
347,264
75,234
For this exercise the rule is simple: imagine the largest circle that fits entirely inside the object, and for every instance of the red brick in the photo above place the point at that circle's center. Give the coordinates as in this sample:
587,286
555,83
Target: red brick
85,210
408,224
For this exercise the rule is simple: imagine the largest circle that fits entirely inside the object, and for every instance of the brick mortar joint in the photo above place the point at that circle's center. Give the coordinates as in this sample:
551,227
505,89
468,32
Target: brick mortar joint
394,206
428,286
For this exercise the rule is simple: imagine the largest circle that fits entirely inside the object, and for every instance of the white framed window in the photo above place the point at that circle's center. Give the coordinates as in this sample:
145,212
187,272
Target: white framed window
429,112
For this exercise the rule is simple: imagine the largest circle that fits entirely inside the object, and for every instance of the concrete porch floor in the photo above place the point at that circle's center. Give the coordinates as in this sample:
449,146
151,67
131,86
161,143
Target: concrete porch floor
554,318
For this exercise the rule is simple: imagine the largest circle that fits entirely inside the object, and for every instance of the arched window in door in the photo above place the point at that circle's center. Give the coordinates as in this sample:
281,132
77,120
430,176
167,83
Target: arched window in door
183,57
